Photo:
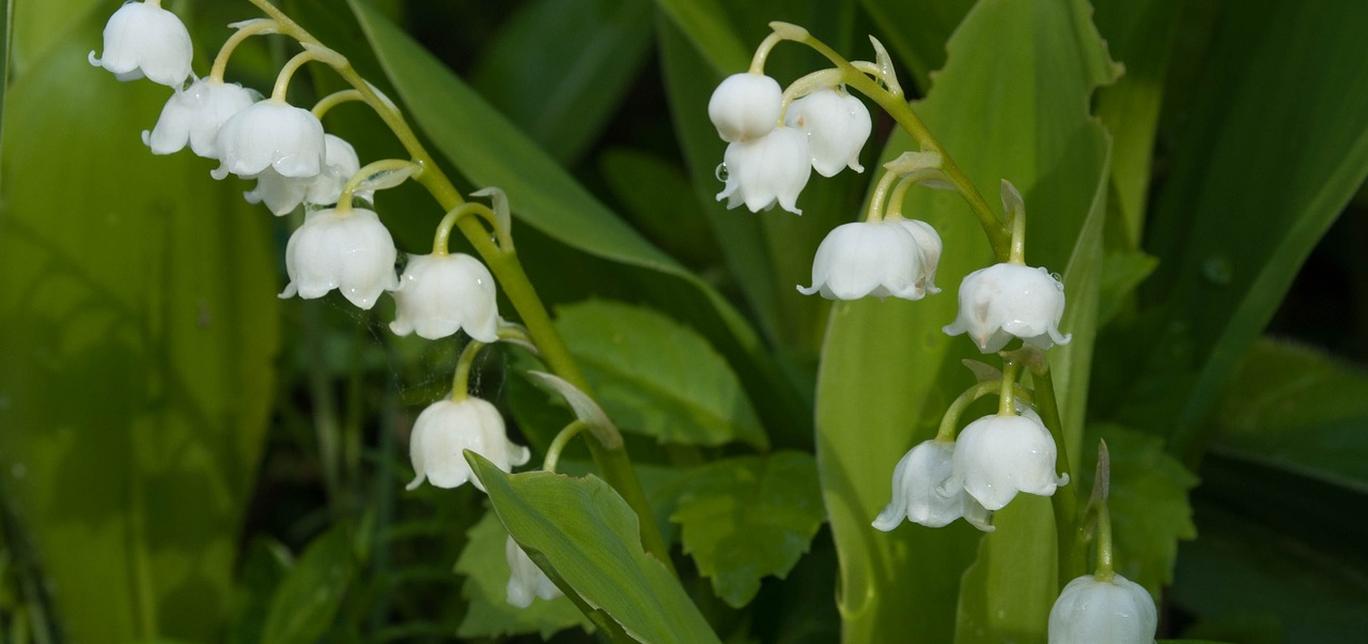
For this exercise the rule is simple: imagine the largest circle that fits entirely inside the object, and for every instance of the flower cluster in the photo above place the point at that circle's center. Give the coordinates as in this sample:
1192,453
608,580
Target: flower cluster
339,246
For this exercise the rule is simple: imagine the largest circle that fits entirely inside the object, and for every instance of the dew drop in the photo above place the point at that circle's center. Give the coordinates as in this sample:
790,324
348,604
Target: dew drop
721,172
1218,270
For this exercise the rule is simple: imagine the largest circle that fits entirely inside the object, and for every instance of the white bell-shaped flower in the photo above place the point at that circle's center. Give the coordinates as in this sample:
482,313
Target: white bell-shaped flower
837,125
859,259
348,250
998,456
929,242
526,581
143,39
283,194
195,115
439,295
745,106
446,429
922,492
772,168
271,134
1091,610
1005,301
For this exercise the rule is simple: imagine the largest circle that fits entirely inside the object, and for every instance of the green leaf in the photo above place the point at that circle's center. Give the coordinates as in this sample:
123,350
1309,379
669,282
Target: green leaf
1227,275
139,326
660,201
583,532
1122,273
916,32
307,600
488,613
1299,409
888,371
656,377
1149,504
745,518
560,68
705,23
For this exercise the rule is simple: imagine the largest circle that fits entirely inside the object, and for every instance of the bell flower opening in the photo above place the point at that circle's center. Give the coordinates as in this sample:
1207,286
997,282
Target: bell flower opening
283,194
1006,301
997,457
1115,610
271,134
837,125
771,169
194,116
923,493
526,581
348,250
447,428
144,40
439,295
861,259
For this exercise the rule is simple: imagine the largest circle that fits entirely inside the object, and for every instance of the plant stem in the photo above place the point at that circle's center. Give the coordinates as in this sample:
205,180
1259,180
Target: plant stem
558,444
614,463
1006,400
460,380
1065,501
1105,570
325,104
950,420
229,46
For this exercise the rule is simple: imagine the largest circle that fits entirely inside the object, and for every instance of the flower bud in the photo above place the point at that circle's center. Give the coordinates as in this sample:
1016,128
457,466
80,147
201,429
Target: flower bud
1010,300
195,115
837,125
446,429
142,39
348,250
439,295
998,456
271,134
283,194
923,492
859,259
525,579
745,106
1115,610
772,168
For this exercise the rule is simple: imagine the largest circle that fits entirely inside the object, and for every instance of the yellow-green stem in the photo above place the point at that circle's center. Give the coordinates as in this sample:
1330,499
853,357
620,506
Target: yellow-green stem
282,84
441,239
460,380
880,196
344,199
229,46
1006,401
1105,568
1017,255
558,444
950,421
325,104
1068,529
614,463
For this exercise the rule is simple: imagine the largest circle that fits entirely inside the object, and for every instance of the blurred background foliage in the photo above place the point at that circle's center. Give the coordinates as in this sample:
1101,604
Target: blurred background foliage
183,457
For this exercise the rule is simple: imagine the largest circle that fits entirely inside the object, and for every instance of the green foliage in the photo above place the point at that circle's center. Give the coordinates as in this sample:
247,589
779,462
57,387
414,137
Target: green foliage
656,377
306,600
1295,408
584,532
705,22
744,518
139,325
558,68
916,32
660,200
489,614
1149,504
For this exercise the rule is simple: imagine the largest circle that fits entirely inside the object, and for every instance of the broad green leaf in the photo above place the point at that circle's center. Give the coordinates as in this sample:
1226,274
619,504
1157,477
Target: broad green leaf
656,377
490,151
1139,35
888,371
138,321
660,200
307,599
559,68
745,518
916,32
1122,273
583,532
1004,596
39,26
262,567
1299,409
705,24
1240,210
1149,504
489,614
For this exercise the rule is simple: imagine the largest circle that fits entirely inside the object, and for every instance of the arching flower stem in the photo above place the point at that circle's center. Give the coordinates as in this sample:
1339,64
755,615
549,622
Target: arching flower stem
460,380
441,239
1006,403
614,463
325,104
373,169
287,72
950,421
246,30
559,442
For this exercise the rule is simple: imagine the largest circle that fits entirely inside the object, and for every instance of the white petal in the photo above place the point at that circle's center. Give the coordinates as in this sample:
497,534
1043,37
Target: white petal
525,579
143,40
1009,300
272,134
745,106
441,295
996,457
771,169
837,125
350,251
1090,610
860,259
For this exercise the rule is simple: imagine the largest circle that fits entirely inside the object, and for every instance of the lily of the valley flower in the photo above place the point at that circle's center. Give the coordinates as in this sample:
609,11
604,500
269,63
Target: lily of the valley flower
1007,300
195,115
143,39
344,249
923,492
773,168
997,457
1115,610
878,258
283,194
446,429
439,295
745,106
271,134
526,581
929,243
837,125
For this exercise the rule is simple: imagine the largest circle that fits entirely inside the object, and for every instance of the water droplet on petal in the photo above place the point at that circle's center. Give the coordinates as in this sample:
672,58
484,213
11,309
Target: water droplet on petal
721,172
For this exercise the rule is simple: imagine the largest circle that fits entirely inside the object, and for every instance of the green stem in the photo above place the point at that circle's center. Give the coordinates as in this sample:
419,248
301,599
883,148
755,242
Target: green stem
282,84
231,45
460,381
902,113
613,463
1065,500
950,421
344,199
558,444
325,104
1006,406
1105,569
